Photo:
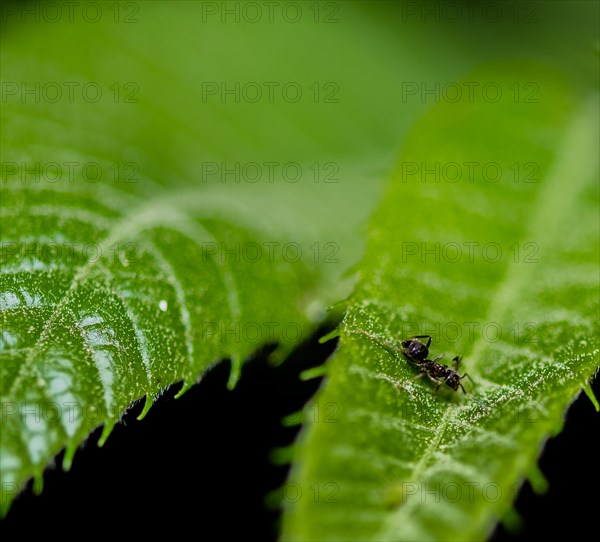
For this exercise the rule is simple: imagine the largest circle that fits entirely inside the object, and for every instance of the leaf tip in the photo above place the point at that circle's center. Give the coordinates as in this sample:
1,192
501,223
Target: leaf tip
537,480
282,455
236,369
68,458
273,499
292,420
279,355
313,372
147,406
184,387
331,335
38,483
512,521
592,396
106,431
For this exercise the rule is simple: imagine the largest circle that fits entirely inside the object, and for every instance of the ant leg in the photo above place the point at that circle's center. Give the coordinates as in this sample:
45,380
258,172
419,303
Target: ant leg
456,360
436,381
417,376
439,357
428,337
467,375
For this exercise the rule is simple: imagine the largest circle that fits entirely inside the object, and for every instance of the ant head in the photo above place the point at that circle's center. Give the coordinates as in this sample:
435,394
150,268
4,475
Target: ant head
452,379
415,349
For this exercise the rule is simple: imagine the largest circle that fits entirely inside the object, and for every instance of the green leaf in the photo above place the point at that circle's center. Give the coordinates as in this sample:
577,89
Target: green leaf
128,263
502,271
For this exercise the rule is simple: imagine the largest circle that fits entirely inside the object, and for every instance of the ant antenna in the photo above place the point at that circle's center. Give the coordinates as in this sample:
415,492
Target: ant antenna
478,401
472,396
457,360
376,339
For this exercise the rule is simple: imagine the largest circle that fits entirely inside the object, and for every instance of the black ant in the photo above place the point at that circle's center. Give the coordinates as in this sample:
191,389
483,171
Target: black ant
416,352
